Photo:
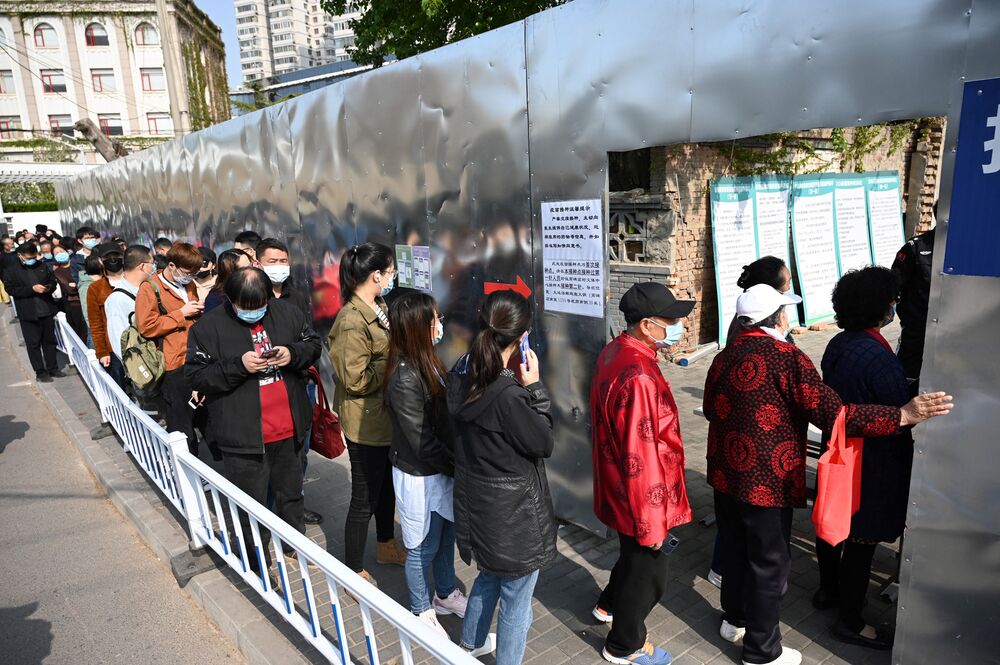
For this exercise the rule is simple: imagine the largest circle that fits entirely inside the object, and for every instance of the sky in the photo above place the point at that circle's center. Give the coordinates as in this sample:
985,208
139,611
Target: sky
223,13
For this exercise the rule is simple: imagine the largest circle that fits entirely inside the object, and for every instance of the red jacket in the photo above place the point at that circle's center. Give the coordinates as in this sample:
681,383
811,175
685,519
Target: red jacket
638,455
760,396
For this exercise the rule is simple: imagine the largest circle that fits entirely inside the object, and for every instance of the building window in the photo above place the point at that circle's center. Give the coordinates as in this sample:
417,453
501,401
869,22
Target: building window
146,35
6,82
152,79
159,123
244,8
61,124
103,80
96,35
9,124
45,36
53,80
111,124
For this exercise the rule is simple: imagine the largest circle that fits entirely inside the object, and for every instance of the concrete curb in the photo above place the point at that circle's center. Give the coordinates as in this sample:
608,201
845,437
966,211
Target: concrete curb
249,629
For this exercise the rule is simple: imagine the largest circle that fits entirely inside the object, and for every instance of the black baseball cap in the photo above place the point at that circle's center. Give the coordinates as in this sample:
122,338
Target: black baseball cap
648,299
106,248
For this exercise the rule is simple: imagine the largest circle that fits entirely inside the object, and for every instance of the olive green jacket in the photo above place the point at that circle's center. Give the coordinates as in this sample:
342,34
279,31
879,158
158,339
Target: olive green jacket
359,351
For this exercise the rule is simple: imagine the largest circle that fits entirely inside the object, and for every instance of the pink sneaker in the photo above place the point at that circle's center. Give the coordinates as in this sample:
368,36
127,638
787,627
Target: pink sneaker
455,603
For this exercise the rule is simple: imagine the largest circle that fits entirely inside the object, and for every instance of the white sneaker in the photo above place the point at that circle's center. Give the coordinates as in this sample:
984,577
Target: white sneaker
787,657
455,603
731,633
489,646
715,578
430,618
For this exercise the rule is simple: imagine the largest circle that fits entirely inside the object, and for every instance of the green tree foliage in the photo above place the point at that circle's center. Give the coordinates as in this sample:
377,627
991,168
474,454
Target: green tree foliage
261,98
407,27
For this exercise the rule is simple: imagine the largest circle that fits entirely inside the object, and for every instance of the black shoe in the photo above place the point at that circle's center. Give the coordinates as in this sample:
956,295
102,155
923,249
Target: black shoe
311,517
842,633
57,374
43,378
824,600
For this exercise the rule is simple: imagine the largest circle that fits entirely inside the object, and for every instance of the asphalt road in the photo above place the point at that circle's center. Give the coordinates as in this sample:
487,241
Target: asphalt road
77,585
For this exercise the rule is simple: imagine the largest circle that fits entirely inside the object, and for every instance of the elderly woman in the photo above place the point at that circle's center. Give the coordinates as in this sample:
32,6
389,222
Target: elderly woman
861,367
760,396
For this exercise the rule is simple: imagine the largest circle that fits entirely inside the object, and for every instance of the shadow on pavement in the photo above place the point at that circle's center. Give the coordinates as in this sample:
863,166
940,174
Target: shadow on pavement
11,430
30,639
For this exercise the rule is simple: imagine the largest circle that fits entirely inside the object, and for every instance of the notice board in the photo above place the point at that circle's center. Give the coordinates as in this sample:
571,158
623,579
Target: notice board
573,258
885,216
814,238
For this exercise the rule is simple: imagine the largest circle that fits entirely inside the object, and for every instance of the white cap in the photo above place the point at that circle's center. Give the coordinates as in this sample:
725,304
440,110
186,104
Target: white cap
761,301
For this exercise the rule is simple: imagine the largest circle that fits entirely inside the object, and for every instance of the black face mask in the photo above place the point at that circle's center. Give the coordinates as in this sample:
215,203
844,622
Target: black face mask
114,265
204,274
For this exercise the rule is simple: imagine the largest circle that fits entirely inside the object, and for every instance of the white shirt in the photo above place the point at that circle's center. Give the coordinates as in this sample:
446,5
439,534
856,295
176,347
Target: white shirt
416,498
117,307
179,290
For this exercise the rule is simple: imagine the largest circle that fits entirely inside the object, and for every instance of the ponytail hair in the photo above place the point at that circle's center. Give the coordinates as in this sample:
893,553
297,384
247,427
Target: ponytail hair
765,270
360,261
503,319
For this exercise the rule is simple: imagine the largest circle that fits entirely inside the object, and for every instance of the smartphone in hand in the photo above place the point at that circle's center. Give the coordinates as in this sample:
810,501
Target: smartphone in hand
524,346
270,353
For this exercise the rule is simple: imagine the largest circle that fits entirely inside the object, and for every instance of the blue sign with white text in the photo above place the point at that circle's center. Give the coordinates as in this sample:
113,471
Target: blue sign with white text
973,246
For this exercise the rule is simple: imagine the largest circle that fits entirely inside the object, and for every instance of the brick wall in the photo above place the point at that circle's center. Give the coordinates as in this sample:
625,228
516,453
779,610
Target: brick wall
621,277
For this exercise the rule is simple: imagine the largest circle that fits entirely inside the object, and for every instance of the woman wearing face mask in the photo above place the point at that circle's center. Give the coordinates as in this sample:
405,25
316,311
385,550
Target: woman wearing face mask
204,279
421,457
71,300
359,350
861,367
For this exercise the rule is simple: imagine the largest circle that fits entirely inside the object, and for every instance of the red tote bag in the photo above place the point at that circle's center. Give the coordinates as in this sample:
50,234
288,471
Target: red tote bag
327,437
838,489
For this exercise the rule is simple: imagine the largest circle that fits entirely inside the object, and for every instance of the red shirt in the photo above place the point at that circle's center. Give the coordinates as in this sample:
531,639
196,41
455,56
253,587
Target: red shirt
638,454
275,409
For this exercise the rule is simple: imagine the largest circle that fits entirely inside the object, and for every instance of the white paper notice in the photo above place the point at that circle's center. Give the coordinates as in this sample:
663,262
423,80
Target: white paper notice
852,225
886,220
573,257
815,259
735,246
772,226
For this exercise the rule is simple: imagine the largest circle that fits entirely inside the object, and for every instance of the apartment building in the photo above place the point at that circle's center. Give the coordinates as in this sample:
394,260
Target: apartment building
281,36
149,68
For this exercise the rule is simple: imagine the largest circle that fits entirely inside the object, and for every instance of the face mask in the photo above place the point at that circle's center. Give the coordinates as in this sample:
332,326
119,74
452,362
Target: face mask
113,265
386,289
30,262
438,334
181,279
90,243
62,257
892,316
250,315
278,274
672,334
203,275
47,255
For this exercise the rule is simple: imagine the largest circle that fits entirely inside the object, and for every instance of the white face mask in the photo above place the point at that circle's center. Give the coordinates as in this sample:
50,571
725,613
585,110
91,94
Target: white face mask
277,273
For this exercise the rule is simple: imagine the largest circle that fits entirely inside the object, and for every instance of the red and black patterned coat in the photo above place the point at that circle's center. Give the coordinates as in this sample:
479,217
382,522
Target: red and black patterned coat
638,454
760,396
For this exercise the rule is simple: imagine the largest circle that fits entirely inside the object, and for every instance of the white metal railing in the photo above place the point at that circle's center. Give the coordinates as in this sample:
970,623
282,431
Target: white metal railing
212,507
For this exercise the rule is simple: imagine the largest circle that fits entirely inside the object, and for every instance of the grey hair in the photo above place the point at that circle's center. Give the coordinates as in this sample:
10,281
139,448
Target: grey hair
746,323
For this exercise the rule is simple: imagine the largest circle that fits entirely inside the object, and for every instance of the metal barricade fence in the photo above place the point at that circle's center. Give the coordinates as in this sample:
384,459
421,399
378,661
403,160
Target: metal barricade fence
213,507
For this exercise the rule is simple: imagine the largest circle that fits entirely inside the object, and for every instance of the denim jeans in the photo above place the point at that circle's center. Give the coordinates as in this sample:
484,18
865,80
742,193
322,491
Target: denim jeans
514,594
435,554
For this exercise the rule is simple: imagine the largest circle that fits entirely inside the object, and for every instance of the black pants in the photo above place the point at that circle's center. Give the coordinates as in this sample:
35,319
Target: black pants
117,372
637,583
844,571
74,314
755,564
280,465
371,494
40,341
175,392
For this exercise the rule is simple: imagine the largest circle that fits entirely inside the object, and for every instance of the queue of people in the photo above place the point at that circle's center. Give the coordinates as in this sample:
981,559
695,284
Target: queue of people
460,454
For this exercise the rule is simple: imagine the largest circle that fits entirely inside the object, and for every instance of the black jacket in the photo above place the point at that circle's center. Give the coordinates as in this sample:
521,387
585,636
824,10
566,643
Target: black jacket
421,429
18,280
912,269
503,509
214,367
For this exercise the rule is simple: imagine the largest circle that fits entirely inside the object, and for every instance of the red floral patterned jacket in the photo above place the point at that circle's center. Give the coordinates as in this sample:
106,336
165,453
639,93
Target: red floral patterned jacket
638,455
760,396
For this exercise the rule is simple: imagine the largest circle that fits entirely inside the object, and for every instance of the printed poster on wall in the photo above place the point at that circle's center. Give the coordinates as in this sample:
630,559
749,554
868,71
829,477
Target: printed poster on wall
853,248
813,234
573,257
734,239
771,195
413,266
885,217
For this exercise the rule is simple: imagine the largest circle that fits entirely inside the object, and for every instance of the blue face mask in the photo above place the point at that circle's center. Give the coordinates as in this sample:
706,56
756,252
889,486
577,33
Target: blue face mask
30,262
62,257
250,315
90,243
673,334
892,316
47,255
438,334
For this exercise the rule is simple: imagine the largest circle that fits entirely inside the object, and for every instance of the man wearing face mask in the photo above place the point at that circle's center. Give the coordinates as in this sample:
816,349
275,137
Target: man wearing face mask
638,462
272,255
31,283
249,357
166,307
72,304
120,305
88,239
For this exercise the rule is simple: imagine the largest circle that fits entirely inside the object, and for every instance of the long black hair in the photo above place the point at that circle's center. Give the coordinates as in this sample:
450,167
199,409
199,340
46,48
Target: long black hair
359,262
225,265
410,319
765,270
504,317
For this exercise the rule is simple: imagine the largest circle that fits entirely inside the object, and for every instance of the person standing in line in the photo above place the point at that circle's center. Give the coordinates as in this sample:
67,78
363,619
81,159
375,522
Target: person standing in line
258,406
120,305
912,269
112,266
638,460
204,280
503,509
88,240
166,307
71,301
160,248
422,468
229,261
31,283
359,350
761,393
45,253
246,241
